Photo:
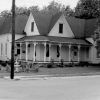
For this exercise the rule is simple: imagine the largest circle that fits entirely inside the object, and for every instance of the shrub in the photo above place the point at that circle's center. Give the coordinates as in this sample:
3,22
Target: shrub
3,63
83,63
61,63
51,64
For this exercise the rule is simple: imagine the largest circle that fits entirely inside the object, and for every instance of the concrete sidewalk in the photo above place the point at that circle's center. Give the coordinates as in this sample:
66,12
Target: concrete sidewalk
45,77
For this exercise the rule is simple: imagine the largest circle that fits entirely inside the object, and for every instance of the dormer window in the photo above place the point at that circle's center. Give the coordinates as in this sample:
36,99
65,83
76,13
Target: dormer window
32,26
60,28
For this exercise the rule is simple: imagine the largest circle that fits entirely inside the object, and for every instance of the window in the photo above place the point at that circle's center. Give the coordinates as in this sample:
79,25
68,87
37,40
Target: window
18,51
60,28
32,26
58,49
47,50
75,53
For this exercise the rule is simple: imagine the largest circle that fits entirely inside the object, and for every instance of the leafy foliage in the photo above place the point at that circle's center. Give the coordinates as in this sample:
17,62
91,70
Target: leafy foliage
87,9
52,9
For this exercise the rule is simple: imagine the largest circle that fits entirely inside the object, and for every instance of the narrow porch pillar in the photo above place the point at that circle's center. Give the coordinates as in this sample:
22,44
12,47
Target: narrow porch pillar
45,51
79,53
20,50
26,51
49,53
69,53
34,51
60,45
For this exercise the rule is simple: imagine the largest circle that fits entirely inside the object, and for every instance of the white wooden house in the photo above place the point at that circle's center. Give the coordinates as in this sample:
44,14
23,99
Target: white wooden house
42,38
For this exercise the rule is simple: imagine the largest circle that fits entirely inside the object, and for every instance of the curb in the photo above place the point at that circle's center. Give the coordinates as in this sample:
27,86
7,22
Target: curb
44,77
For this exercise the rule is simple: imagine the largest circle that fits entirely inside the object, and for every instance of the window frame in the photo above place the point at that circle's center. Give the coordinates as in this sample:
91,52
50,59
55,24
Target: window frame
60,28
32,26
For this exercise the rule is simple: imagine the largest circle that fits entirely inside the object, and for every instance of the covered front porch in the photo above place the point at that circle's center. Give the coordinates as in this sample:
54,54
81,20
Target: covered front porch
51,49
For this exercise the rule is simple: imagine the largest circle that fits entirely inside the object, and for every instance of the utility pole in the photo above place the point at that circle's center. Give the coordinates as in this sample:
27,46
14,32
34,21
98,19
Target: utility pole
13,40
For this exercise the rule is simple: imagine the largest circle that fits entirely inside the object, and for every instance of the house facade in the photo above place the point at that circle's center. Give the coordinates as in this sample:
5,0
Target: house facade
43,38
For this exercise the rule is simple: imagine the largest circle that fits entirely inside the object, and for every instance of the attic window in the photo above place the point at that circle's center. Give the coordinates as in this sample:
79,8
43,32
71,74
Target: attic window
32,26
60,28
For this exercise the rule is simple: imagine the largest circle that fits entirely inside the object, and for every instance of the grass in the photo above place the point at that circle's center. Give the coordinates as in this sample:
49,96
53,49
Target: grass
68,71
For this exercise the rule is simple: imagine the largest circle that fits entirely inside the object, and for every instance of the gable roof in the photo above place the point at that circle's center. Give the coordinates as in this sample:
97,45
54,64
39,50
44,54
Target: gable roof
45,22
90,27
20,22
54,20
5,25
54,39
42,22
77,25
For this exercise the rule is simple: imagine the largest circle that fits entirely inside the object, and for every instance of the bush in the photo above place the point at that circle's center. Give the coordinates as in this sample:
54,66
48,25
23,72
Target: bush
3,63
83,63
61,63
51,64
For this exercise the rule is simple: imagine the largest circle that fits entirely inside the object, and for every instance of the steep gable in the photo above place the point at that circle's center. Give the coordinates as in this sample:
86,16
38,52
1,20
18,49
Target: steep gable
65,28
54,20
28,26
41,23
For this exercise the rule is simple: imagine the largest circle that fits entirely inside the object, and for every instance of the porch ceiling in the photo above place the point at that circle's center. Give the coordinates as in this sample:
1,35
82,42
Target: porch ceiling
53,39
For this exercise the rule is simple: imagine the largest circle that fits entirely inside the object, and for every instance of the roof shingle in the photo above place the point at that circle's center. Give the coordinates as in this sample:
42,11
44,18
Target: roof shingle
53,39
45,22
20,22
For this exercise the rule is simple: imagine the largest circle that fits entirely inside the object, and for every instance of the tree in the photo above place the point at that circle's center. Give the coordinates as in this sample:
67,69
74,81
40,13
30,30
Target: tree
87,9
69,11
34,9
53,8
5,13
21,10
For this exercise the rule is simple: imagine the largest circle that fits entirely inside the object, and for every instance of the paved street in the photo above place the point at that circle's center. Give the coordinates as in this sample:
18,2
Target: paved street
65,88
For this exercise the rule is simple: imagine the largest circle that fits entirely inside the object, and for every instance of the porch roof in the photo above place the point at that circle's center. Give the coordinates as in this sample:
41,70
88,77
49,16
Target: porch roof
53,39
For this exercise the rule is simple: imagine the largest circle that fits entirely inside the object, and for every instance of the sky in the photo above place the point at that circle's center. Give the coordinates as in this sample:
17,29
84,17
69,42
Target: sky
6,4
